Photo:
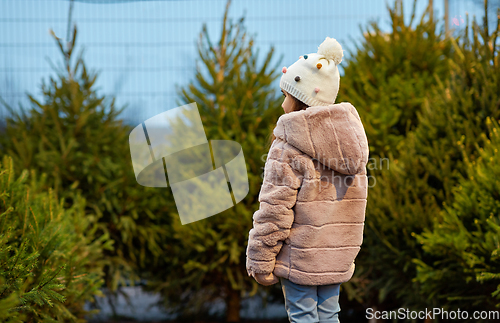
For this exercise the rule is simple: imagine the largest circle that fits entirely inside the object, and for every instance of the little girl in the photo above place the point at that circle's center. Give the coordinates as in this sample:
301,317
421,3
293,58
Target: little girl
309,227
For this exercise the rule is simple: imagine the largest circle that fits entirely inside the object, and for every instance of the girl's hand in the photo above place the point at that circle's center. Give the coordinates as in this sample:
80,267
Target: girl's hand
266,279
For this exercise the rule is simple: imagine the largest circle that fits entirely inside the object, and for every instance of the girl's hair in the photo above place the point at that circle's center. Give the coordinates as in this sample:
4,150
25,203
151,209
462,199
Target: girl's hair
296,106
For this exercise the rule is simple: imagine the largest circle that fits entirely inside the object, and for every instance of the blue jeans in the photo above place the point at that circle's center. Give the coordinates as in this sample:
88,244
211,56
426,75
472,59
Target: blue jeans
311,304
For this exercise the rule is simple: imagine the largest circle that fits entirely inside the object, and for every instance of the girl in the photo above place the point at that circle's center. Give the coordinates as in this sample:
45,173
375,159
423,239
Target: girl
309,226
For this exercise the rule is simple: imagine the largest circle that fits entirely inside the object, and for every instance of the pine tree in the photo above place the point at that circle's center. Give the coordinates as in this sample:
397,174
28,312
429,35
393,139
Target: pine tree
466,107
50,262
74,134
388,78
388,74
408,198
465,236
236,101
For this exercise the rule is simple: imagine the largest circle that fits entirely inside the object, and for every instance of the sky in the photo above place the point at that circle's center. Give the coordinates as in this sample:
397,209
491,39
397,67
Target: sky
143,49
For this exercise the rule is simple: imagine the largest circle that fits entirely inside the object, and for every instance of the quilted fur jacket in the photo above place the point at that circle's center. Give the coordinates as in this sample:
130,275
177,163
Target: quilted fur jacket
309,226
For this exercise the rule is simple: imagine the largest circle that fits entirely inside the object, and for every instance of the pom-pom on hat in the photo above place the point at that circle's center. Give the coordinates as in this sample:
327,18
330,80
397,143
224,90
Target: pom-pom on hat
314,79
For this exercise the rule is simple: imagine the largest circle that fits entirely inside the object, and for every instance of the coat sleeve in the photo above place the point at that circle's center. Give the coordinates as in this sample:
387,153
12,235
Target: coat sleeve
273,221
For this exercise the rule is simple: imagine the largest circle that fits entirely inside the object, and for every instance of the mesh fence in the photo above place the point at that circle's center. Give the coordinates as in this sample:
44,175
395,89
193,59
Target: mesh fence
144,48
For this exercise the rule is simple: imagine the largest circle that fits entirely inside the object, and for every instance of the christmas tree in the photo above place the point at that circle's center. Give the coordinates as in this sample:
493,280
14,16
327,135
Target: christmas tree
463,237
408,198
388,78
237,101
74,134
388,74
50,262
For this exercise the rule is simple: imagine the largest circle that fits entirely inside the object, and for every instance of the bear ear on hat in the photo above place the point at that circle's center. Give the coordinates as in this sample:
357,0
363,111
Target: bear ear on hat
331,49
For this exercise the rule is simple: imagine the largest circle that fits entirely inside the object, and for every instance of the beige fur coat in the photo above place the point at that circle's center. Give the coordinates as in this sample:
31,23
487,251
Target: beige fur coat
309,227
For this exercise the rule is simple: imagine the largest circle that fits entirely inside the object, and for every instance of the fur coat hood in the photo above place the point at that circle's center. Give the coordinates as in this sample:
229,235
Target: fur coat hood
309,226
333,135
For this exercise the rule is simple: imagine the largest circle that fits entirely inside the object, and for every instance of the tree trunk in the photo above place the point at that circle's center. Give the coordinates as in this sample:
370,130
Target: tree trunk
233,303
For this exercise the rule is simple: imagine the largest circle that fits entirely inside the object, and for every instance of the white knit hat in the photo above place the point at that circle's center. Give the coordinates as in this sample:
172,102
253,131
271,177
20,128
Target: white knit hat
314,79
